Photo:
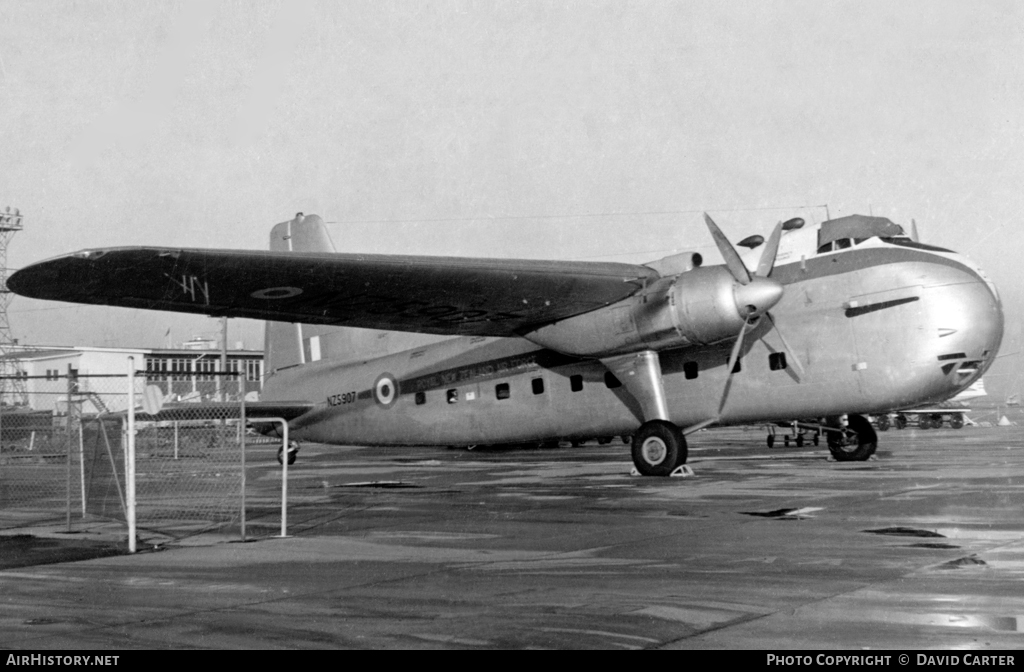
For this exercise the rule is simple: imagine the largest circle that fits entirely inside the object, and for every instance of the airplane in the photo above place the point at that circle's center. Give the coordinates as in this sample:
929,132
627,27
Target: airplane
832,321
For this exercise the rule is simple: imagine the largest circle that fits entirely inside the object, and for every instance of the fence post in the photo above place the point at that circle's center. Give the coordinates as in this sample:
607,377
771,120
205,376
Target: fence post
67,448
129,476
241,444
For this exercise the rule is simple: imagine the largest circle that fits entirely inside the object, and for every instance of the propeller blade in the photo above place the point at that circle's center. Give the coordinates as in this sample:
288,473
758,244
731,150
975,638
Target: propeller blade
767,261
733,356
729,253
785,344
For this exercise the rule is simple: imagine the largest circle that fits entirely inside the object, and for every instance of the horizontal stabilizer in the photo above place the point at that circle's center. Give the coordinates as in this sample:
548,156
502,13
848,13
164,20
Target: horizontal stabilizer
227,410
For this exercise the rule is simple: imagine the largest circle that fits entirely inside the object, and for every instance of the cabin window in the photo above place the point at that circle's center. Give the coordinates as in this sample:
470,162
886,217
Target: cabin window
610,381
538,385
777,361
501,391
421,398
690,370
843,243
576,383
453,396
827,247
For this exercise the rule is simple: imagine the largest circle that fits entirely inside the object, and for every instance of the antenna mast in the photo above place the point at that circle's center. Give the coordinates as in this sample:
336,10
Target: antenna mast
12,384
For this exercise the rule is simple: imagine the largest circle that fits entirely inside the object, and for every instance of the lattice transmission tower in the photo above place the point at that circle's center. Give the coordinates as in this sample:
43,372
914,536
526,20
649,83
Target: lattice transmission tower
12,384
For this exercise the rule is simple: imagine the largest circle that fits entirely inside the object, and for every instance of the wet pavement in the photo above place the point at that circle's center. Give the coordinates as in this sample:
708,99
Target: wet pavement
921,547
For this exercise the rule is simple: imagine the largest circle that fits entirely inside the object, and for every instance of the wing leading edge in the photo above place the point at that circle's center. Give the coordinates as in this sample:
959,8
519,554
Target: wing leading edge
436,295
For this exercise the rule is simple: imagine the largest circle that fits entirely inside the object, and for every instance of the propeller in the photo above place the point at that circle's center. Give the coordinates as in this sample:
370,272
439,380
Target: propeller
755,294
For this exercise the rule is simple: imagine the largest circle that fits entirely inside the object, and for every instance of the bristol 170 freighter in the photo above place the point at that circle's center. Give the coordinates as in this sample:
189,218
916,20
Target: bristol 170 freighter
828,322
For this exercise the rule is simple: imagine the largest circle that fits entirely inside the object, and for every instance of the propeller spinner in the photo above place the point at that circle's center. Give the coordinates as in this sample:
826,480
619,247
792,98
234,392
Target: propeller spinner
755,294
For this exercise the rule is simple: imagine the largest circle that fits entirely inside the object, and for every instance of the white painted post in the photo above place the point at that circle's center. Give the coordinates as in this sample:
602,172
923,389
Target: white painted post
284,471
129,476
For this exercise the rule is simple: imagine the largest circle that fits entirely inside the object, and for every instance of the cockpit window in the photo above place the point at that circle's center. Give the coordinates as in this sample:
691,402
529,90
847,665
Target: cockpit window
845,232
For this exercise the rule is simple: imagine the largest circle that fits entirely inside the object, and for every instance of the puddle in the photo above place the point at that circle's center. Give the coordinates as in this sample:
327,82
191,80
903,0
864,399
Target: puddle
969,561
785,514
906,532
379,484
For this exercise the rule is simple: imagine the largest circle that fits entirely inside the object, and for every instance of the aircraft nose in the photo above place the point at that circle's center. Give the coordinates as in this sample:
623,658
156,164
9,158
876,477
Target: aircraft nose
968,317
757,297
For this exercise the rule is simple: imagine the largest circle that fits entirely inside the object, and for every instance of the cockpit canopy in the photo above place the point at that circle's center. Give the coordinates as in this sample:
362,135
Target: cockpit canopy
839,234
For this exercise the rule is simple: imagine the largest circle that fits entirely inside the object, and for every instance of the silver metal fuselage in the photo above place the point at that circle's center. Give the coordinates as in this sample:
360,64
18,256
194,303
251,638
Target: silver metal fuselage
876,327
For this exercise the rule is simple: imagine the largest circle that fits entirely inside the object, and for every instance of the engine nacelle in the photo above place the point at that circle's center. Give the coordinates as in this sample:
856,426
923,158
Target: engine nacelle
702,306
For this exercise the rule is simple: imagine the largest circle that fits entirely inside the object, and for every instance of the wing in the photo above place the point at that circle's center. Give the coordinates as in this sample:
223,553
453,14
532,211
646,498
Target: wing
436,295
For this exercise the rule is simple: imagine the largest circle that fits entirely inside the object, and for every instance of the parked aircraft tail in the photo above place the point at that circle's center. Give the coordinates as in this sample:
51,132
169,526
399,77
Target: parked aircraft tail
288,344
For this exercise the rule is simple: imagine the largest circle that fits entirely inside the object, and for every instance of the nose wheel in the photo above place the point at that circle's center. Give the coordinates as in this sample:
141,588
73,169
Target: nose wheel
855,442
658,448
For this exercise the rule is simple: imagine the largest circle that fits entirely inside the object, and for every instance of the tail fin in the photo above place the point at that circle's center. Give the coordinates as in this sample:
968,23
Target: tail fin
291,344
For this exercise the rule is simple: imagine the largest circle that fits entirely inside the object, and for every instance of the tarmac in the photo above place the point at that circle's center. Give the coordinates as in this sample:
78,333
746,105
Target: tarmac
921,547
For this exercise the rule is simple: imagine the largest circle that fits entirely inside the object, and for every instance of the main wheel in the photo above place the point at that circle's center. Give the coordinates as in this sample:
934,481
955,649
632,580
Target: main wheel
771,440
901,421
883,423
956,421
658,448
856,443
799,440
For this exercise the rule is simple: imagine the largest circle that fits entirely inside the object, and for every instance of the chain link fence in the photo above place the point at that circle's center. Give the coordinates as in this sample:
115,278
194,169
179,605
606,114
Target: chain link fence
63,456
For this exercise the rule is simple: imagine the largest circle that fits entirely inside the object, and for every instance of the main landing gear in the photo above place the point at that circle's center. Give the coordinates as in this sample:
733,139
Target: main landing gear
659,447
293,452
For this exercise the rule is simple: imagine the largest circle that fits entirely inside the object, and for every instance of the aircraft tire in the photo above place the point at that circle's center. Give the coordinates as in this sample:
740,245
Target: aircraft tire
658,448
901,421
883,423
957,421
771,440
293,453
856,444
799,440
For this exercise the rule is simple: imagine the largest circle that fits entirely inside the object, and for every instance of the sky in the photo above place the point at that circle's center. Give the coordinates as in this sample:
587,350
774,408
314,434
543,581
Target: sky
530,129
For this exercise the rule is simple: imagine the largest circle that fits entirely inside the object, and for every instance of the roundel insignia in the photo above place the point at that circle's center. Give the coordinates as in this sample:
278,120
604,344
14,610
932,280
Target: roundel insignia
385,389
276,293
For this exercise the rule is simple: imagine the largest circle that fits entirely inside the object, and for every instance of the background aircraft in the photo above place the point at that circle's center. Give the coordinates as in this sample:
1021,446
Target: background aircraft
832,321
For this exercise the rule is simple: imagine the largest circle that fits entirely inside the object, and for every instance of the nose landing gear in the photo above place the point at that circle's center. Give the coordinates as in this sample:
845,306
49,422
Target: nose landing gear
854,442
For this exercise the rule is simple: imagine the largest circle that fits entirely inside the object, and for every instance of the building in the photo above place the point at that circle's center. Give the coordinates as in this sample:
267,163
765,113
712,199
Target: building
50,373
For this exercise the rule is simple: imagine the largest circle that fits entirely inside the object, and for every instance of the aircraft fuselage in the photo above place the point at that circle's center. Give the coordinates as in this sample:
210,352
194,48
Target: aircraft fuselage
876,327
